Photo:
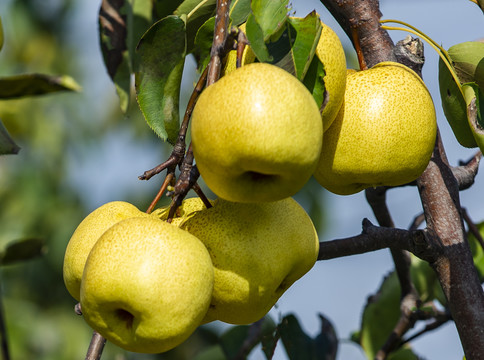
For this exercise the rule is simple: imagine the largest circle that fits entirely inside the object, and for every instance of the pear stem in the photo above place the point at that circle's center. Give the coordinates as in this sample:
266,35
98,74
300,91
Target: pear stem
96,347
359,52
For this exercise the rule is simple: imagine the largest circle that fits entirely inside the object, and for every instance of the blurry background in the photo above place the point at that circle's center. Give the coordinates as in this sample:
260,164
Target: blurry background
79,151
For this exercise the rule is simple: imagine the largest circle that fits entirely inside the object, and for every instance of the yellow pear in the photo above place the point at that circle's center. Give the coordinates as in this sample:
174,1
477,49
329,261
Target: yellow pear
331,54
147,285
384,133
184,211
256,134
86,235
258,251
248,57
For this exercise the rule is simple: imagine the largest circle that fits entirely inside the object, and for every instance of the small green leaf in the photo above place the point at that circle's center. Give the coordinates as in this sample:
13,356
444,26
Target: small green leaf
35,84
21,250
256,38
213,352
239,11
197,12
465,58
161,59
380,315
454,106
165,8
423,278
203,43
314,81
247,336
2,39
7,145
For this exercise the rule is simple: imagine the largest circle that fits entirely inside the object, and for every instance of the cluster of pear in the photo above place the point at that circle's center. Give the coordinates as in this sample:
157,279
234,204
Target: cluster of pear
146,284
258,134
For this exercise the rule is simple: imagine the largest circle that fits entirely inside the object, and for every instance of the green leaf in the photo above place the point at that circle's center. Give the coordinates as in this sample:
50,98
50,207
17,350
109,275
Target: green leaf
239,11
265,21
380,315
7,145
477,251
423,278
35,84
306,33
121,24
245,335
21,250
300,346
2,39
466,57
197,12
314,81
213,352
161,58
455,108
164,8
203,43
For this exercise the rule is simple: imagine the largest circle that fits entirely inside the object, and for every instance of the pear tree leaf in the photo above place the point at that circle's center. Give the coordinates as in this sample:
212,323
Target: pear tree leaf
17,86
300,346
2,39
455,108
121,24
239,11
424,278
477,251
243,338
21,250
203,43
161,53
165,8
314,81
197,13
380,315
7,145
465,58
214,352
265,21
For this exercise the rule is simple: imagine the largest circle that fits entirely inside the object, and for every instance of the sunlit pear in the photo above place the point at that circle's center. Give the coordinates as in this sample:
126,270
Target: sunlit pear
258,251
256,134
248,57
147,285
86,235
331,53
384,133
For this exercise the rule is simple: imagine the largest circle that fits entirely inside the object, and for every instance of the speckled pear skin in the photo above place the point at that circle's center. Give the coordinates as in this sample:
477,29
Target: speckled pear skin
258,251
384,133
331,53
147,285
256,134
86,235
184,211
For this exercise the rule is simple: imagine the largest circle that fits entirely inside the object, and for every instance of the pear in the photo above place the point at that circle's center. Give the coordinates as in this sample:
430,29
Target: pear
185,210
331,54
258,251
256,134
86,235
147,285
248,57
384,133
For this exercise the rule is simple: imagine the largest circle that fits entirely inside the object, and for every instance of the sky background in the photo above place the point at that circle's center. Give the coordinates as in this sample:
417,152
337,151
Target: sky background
336,288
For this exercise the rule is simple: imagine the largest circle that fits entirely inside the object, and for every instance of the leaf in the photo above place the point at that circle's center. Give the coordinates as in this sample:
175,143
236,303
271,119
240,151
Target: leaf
466,57
300,346
239,11
213,352
7,145
21,250
2,39
121,24
477,251
203,43
161,58
454,106
266,20
314,81
164,8
35,84
197,12
246,337
380,315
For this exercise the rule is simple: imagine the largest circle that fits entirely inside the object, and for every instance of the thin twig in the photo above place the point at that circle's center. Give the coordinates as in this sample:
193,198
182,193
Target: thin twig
96,347
466,172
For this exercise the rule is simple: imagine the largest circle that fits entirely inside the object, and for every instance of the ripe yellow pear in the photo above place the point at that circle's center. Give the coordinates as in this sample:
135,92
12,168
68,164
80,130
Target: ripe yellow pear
331,54
86,235
256,134
147,285
248,57
258,251
384,133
